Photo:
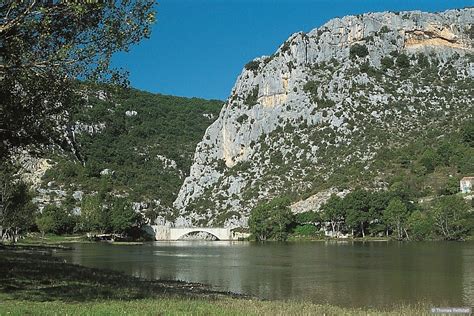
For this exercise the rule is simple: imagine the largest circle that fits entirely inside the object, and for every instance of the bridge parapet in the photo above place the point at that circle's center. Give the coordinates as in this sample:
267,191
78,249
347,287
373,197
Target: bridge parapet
175,233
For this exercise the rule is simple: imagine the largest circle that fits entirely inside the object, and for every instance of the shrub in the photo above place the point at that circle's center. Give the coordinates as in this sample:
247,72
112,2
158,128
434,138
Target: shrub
467,132
242,118
306,230
369,70
384,29
386,62
423,61
358,50
286,47
403,61
252,65
252,97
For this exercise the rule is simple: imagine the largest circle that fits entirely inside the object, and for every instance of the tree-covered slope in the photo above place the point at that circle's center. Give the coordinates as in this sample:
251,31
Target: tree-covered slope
132,143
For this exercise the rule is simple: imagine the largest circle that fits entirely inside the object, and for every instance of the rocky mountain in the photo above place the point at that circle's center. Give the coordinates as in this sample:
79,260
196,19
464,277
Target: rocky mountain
323,113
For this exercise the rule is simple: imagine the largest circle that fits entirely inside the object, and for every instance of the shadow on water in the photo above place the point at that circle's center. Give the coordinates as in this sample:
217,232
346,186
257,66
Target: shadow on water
37,276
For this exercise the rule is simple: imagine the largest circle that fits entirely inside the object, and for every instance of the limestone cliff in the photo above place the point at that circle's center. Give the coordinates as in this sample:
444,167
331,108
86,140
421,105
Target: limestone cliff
328,100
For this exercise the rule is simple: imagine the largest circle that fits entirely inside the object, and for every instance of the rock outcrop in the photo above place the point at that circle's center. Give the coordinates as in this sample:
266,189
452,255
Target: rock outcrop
325,100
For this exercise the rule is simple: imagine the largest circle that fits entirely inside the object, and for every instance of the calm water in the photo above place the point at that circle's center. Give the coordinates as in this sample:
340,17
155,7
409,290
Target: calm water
375,274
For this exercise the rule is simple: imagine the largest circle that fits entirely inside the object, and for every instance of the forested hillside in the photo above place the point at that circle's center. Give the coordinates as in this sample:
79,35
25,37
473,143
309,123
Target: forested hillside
131,143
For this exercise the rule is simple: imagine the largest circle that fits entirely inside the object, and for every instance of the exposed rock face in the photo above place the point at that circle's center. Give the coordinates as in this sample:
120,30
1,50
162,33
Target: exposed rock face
32,168
314,202
317,97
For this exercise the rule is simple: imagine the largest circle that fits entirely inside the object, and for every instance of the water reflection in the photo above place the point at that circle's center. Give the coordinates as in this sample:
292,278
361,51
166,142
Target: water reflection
378,274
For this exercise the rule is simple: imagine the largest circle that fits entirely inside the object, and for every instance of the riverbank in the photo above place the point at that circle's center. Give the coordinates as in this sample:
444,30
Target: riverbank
293,238
50,239
34,282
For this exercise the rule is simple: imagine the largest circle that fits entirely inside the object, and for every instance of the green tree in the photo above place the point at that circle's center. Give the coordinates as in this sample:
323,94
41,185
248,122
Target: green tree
420,225
306,230
48,45
357,206
450,187
271,220
95,215
467,132
45,223
378,202
452,217
334,213
16,207
122,216
309,217
396,215
56,220
430,159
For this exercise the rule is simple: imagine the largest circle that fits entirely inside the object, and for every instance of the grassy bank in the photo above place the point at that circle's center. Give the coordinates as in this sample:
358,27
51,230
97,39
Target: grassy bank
326,238
185,306
33,282
51,239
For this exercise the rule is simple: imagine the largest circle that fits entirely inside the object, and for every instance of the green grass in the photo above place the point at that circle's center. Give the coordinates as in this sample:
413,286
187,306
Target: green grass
33,282
184,306
35,238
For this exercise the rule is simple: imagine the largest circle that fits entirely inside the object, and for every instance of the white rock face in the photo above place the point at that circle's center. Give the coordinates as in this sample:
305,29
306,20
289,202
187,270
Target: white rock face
131,113
169,163
33,169
269,96
314,202
77,195
102,95
88,128
106,172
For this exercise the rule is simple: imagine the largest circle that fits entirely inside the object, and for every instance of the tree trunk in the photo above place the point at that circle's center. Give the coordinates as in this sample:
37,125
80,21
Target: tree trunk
399,230
362,229
15,235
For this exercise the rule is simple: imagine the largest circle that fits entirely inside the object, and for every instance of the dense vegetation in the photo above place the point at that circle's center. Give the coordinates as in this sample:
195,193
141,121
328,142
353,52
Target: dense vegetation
138,144
134,146
46,46
48,49
421,199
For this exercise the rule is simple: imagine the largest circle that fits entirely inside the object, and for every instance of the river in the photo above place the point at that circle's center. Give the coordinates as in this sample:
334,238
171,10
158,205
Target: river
353,274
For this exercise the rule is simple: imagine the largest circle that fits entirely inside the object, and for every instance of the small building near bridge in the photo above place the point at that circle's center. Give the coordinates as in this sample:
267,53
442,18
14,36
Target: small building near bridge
466,184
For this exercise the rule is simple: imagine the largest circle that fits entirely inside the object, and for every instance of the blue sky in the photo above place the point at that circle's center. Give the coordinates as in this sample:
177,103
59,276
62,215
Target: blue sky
198,47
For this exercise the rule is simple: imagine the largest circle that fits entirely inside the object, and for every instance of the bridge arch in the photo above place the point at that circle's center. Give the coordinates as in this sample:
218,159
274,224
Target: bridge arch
219,233
198,231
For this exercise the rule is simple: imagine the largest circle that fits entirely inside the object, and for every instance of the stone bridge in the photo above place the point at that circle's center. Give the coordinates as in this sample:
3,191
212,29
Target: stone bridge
175,233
